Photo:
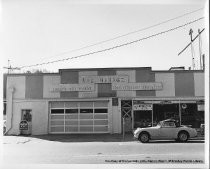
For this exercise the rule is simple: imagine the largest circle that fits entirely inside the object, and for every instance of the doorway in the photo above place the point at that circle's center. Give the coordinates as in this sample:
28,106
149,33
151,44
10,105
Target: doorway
126,114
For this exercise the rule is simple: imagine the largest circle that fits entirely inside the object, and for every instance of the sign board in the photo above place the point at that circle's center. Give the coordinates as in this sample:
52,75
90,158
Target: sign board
142,107
103,79
72,87
138,86
23,125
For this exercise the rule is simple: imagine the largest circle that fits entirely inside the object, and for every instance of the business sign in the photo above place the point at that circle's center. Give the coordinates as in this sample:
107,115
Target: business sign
142,107
72,87
23,125
138,86
103,79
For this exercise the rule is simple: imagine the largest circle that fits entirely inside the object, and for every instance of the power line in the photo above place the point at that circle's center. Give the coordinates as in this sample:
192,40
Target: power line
117,37
118,46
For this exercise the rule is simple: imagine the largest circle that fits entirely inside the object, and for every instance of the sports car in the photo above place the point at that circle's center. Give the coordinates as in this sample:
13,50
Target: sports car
165,130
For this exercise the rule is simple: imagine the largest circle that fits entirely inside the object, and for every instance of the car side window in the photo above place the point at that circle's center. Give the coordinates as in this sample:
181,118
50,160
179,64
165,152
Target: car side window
168,124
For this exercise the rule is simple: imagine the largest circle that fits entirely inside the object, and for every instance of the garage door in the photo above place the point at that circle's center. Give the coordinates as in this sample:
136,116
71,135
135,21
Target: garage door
79,117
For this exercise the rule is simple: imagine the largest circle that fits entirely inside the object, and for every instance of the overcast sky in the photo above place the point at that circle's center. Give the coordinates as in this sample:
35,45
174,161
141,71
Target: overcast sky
37,31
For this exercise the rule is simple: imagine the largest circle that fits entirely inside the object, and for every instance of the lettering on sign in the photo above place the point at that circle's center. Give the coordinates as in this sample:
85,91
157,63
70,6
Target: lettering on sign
142,107
23,125
103,79
138,86
72,87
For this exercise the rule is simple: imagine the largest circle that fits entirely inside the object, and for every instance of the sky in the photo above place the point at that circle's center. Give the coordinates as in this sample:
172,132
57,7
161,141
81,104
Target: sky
39,31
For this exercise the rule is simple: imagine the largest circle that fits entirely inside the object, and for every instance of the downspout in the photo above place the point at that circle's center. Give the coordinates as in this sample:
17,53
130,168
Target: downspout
11,91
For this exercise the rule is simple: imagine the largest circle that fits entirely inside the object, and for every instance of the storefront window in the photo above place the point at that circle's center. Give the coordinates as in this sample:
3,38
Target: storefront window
165,111
142,119
190,115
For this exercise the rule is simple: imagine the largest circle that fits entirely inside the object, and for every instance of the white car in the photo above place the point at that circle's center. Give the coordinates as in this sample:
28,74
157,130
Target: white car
165,130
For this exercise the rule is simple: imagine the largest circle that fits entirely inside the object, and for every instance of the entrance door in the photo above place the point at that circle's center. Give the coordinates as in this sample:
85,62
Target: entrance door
126,109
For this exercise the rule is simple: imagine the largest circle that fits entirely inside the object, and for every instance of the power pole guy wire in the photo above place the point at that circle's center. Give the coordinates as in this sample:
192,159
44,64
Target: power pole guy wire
118,46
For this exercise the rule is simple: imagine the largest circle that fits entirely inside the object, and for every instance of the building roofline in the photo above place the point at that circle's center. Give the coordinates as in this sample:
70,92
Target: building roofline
107,68
96,69
32,74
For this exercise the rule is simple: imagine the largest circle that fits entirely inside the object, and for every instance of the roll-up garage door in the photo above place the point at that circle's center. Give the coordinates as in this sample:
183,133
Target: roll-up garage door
78,117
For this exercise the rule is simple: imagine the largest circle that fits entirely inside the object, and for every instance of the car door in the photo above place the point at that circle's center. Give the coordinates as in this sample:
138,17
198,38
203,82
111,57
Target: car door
168,130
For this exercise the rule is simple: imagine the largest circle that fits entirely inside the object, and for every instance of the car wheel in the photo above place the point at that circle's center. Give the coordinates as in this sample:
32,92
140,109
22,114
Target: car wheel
183,136
144,137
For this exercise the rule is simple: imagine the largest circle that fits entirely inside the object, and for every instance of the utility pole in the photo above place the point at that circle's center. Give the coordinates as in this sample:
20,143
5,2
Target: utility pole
200,49
203,58
10,68
192,50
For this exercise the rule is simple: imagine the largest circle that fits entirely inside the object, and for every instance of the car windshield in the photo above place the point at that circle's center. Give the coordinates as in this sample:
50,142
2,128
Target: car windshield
159,124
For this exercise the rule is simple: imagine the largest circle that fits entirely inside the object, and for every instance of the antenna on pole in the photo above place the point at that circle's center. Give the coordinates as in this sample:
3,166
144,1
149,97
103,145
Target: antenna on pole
10,68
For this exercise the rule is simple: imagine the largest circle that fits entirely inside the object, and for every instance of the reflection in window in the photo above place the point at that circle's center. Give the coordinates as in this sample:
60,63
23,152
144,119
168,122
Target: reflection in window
71,111
101,111
57,111
86,110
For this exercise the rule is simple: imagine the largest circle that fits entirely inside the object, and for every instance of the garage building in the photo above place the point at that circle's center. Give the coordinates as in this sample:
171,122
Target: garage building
98,100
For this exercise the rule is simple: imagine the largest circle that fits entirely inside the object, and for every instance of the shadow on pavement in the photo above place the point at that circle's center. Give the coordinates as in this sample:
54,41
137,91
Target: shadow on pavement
85,137
102,138
171,141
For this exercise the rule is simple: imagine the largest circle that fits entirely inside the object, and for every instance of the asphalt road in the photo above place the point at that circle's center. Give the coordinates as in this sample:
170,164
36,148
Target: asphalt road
34,150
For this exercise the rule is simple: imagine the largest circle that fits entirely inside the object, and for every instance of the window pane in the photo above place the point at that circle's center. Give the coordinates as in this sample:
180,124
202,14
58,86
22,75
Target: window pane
57,129
100,116
70,111
55,117
86,110
101,111
86,128
86,104
53,123
101,122
71,129
72,116
86,116
71,104
100,104
57,104
57,111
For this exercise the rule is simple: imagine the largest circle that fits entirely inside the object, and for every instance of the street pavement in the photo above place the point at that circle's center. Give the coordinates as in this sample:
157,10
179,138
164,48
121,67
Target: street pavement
99,149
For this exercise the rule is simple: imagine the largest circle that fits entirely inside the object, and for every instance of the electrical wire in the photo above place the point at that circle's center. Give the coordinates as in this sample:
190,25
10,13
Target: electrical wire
114,47
117,37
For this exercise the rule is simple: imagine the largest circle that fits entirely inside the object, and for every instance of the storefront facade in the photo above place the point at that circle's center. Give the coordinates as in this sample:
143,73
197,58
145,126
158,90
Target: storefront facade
101,100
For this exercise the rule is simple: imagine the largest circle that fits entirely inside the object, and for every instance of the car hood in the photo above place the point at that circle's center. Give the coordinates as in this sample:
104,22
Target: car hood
148,128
